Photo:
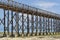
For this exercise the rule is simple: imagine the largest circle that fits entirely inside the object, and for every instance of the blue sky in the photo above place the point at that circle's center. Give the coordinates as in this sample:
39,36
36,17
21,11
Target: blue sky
49,5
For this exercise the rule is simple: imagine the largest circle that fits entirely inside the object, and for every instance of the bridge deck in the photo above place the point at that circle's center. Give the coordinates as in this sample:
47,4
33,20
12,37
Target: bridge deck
18,7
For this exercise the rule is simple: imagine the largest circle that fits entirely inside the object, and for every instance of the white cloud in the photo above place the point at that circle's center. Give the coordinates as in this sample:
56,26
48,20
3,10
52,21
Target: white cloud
47,4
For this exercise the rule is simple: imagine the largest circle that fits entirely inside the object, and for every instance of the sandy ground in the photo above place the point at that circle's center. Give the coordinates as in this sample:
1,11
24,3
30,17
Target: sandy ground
32,38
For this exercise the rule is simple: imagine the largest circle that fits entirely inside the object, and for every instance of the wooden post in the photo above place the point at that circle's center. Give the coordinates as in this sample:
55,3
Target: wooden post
8,24
12,24
4,24
28,34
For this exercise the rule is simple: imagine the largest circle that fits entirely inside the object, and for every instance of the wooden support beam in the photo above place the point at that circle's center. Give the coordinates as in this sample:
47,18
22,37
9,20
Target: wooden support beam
36,25
32,23
48,27
22,25
12,24
17,25
28,24
51,26
4,23
40,25
43,25
8,23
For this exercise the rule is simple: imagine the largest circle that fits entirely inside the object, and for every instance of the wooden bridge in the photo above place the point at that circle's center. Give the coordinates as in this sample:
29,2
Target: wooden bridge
23,20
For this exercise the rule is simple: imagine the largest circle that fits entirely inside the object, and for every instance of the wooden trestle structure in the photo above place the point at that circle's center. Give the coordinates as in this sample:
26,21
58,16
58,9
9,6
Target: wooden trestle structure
25,20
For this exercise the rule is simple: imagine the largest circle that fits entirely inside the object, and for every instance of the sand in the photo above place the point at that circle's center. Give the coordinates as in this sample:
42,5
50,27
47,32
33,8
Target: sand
32,38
